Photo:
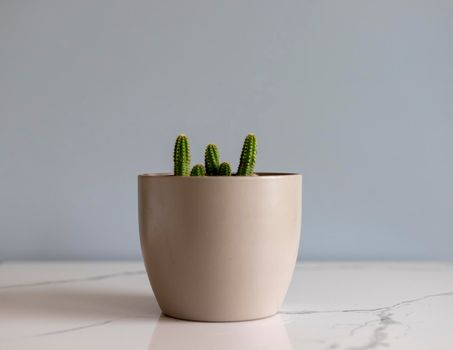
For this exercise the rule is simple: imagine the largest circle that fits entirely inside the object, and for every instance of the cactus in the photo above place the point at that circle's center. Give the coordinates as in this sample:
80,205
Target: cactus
181,156
198,170
211,160
212,167
224,169
248,156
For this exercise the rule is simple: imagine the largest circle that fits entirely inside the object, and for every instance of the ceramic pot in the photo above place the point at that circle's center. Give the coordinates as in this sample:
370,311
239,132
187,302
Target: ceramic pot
220,248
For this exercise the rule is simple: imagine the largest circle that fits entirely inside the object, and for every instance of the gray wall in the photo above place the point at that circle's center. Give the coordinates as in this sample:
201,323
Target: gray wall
357,95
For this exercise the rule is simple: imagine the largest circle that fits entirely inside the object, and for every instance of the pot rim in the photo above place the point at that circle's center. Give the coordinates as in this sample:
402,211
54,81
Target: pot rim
261,175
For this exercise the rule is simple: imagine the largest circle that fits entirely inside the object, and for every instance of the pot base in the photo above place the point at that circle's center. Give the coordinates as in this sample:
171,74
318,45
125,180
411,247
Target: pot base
220,321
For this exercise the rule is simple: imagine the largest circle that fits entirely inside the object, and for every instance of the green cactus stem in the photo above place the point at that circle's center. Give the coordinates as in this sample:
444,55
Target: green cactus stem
211,160
198,170
248,156
181,156
224,169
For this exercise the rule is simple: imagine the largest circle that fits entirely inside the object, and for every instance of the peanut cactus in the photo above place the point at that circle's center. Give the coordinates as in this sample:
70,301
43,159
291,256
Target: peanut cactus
181,156
224,169
198,170
248,156
211,160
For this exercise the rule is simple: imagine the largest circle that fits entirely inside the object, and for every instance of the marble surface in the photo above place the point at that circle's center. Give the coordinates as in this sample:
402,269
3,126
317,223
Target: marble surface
329,306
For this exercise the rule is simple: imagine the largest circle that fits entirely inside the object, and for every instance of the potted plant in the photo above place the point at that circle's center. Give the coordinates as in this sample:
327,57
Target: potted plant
219,246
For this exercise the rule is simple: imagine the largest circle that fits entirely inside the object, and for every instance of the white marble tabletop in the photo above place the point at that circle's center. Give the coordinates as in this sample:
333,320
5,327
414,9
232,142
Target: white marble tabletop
110,305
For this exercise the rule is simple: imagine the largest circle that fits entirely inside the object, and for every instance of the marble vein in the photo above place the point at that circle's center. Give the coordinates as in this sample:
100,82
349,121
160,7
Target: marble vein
67,330
384,308
379,334
80,328
73,280
383,322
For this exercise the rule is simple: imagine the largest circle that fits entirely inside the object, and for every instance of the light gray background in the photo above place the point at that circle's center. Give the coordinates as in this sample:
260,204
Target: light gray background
357,95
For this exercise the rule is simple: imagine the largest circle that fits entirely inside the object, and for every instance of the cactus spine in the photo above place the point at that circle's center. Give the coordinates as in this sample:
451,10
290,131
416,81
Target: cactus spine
181,156
248,156
224,169
211,160
198,170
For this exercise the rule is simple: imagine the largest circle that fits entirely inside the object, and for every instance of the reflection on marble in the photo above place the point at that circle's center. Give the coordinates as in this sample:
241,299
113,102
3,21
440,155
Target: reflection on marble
329,306
268,333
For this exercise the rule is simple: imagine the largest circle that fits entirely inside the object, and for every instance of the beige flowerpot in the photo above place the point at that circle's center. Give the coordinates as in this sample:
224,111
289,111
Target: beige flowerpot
220,248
